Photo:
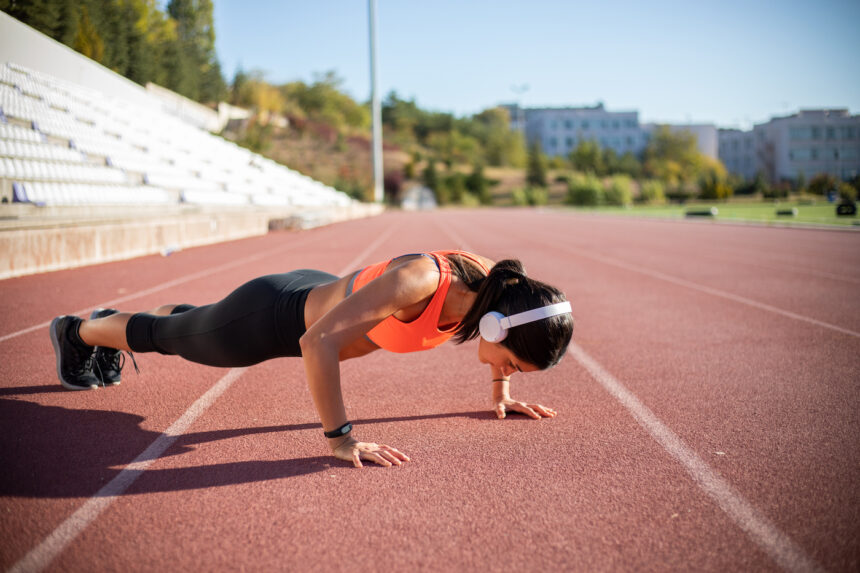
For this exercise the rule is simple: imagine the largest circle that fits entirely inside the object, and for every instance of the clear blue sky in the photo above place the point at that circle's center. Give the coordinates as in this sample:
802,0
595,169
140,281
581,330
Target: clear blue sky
729,62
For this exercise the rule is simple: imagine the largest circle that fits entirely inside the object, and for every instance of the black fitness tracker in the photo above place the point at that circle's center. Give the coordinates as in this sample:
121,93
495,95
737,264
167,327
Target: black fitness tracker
342,431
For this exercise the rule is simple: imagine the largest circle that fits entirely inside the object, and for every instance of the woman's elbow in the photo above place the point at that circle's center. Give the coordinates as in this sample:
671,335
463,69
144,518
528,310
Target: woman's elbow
312,342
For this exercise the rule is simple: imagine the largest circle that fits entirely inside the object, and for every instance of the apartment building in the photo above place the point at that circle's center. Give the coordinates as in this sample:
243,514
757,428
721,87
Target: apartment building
809,142
561,130
737,152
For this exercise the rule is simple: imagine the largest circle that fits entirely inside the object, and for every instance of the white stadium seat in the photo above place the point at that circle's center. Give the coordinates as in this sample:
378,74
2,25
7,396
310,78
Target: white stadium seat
68,144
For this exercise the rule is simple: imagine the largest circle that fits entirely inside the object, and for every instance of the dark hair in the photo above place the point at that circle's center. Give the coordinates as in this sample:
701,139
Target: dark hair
508,290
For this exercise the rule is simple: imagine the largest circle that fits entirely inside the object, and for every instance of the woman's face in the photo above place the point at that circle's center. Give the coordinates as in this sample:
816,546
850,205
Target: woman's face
502,358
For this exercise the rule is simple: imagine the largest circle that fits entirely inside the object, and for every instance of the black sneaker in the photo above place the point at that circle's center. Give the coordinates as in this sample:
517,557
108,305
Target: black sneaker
108,361
74,361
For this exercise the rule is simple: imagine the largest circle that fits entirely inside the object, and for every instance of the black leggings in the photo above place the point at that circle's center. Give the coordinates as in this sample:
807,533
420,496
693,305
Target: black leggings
262,319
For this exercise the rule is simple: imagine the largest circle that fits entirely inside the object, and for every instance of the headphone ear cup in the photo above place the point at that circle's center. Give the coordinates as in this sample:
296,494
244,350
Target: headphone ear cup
491,327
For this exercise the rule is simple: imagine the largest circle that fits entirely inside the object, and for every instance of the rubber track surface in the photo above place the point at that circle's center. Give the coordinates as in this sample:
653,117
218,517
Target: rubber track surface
743,342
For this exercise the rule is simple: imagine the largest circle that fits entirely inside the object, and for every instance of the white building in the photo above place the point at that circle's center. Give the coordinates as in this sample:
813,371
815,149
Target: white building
804,144
561,130
808,143
737,152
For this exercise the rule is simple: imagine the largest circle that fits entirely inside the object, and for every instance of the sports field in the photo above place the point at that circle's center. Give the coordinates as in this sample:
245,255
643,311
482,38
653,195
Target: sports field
709,415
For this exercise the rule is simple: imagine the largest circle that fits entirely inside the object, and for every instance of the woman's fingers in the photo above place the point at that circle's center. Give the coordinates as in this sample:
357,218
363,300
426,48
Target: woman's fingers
543,410
394,451
383,455
535,411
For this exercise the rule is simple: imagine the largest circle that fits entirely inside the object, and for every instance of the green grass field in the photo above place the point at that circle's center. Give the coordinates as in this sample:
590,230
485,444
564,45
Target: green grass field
817,214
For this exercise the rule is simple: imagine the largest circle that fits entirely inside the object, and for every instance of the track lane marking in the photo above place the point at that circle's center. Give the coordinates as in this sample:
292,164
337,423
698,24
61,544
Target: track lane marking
759,528
160,287
707,290
43,554
605,259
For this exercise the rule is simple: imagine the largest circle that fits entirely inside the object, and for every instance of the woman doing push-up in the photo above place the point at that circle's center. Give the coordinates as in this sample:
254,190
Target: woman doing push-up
406,304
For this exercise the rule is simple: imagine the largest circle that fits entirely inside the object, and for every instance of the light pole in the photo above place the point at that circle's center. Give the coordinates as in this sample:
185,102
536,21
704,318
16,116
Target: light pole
375,109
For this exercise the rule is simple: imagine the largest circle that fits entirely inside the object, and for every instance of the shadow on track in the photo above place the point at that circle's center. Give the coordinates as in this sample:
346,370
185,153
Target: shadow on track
55,452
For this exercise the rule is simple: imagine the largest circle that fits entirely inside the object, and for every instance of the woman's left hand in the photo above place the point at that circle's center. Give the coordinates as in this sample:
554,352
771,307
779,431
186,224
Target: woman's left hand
535,411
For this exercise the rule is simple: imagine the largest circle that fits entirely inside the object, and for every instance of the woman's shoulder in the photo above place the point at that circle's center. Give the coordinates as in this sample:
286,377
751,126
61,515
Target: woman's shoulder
480,260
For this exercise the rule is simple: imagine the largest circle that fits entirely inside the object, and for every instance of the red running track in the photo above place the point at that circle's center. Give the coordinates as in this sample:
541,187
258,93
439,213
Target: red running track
708,415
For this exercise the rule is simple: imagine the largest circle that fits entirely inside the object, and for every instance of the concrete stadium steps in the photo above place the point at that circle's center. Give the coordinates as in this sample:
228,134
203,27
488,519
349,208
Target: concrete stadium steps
40,239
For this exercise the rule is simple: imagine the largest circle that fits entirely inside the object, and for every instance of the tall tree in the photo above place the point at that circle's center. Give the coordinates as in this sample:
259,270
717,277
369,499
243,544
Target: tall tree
536,174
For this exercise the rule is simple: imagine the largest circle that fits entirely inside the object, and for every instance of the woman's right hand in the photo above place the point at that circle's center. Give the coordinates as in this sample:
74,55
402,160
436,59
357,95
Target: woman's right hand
351,450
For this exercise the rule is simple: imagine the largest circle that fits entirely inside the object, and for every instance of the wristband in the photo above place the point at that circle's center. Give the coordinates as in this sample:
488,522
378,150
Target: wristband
342,431
501,379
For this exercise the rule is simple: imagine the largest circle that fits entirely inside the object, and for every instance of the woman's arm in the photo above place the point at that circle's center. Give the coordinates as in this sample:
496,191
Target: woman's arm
349,320
503,403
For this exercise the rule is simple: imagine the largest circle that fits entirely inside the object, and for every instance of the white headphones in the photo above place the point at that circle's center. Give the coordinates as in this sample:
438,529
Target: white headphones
494,325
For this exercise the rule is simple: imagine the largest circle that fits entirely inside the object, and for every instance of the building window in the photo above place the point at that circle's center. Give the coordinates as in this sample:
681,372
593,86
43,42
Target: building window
800,133
816,133
568,124
802,154
569,142
830,133
849,133
814,153
585,124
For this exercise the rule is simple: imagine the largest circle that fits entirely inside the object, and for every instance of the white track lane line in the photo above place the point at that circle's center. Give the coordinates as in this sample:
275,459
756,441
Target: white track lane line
705,289
160,287
759,528
41,556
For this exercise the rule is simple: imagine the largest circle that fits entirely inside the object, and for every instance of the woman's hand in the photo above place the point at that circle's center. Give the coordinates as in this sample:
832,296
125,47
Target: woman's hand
354,451
536,411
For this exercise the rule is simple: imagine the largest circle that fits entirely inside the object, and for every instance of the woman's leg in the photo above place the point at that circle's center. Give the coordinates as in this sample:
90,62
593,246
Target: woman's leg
109,332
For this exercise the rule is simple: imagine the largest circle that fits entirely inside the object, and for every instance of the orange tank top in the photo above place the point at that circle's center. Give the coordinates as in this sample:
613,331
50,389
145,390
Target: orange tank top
423,333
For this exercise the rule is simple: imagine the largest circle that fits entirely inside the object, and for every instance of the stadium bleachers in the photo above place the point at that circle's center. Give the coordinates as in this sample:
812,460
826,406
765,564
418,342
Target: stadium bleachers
64,144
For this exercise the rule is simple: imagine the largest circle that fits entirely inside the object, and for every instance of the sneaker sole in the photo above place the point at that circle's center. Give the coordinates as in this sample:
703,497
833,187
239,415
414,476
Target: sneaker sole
56,345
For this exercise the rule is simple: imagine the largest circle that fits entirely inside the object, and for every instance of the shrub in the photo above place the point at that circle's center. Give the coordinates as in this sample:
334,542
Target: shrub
584,191
651,191
457,186
530,197
619,192
821,184
847,193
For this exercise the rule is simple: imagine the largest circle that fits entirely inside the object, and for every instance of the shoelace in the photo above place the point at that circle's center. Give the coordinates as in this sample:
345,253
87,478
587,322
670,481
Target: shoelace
117,363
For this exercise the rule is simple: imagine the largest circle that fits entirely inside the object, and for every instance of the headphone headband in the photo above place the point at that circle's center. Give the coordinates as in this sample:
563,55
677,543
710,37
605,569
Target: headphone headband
494,325
536,314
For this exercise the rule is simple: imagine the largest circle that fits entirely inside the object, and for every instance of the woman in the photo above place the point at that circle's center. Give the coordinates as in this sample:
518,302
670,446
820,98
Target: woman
406,304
